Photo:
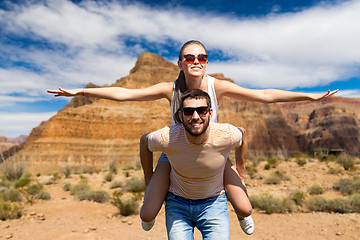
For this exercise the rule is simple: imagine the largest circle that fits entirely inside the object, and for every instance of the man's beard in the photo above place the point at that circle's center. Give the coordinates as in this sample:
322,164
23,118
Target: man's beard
195,134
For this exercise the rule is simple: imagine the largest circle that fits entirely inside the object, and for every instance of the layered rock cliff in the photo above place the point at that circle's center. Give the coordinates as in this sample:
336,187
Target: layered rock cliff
97,131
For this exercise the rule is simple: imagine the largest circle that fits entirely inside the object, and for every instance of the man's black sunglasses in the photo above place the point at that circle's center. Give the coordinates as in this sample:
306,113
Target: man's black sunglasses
189,112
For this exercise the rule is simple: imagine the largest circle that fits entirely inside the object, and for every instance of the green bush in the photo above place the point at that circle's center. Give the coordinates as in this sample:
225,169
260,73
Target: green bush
335,171
31,191
267,166
113,167
115,184
80,187
355,202
67,187
316,190
67,170
109,177
42,195
316,204
251,170
12,170
272,161
135,184
346,161
347,186
9,211
339,205
271,204
298,197
127,206
273,179
99,196
10,195
301,161
22,182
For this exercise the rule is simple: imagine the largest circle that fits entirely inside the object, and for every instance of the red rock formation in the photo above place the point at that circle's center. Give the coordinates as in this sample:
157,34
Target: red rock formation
96,131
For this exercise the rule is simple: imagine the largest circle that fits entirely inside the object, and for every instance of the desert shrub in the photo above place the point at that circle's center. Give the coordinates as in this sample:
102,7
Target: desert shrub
109,177
55,177
339,205
22,182
126,174
99,196
115,184
9,211
67,170
315,190
42,195
251,170
135,184
316,204
113,167
126,205
347,186
80,187
355,202
273,179
82,196
30,191
271,204
129,167
67,187
335,171
272,161
301,161
298,197
10,195
267,166
12,170
346,161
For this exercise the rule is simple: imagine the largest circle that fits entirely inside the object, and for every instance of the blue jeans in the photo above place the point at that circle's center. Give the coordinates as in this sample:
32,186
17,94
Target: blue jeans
209,215
163,158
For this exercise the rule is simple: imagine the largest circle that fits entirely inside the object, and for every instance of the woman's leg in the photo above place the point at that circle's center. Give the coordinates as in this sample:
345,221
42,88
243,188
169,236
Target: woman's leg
156,192
236,191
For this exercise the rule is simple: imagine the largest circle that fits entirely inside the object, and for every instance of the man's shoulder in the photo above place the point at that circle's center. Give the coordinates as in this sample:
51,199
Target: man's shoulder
226,127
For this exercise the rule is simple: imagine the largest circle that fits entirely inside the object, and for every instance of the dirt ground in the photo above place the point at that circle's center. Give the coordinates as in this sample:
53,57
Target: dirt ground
65,218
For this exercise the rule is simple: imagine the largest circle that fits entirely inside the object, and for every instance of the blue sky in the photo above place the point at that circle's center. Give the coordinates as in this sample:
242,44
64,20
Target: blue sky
299,45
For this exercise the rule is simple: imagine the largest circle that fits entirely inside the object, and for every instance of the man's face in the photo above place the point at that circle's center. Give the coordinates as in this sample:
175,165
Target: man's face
197,122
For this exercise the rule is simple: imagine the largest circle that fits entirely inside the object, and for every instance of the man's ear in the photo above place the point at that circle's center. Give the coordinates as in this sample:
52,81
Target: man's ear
180,115
211,113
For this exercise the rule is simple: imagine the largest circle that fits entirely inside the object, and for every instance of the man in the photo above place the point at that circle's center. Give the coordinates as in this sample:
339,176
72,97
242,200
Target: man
197,150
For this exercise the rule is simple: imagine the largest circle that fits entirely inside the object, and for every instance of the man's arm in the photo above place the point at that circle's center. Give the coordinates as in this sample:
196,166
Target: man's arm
146,159
240,157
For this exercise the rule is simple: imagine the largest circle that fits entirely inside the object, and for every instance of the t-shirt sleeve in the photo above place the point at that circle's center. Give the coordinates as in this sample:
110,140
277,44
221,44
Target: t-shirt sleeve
156,140
236,136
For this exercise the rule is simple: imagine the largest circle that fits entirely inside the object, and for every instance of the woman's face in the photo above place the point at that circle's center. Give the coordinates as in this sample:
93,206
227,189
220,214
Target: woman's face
195,69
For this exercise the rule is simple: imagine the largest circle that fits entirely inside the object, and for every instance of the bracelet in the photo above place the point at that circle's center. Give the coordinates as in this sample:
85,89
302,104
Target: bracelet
83,92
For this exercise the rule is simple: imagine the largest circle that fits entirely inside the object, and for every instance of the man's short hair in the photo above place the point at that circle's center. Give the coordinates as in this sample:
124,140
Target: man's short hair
197,94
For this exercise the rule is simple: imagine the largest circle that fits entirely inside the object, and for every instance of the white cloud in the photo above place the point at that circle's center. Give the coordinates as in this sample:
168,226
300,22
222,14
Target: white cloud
16,124
70,45
349,93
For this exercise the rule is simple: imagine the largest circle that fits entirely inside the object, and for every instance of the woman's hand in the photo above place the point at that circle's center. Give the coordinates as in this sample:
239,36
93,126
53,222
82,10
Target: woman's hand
320,96
65,92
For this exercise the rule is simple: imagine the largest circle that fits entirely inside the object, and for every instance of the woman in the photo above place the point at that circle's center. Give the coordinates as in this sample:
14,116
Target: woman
192,64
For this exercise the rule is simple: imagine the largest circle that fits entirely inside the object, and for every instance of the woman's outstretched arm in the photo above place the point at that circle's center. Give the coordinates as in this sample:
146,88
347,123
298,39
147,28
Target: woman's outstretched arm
157,91
232,90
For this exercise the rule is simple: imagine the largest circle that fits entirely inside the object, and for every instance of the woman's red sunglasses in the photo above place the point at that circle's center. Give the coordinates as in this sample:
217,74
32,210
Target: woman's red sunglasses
190,58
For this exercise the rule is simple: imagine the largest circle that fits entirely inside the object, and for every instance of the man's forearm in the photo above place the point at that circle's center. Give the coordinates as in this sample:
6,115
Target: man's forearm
146,159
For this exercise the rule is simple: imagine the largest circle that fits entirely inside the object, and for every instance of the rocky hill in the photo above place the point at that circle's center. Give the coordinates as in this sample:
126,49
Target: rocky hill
96,131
